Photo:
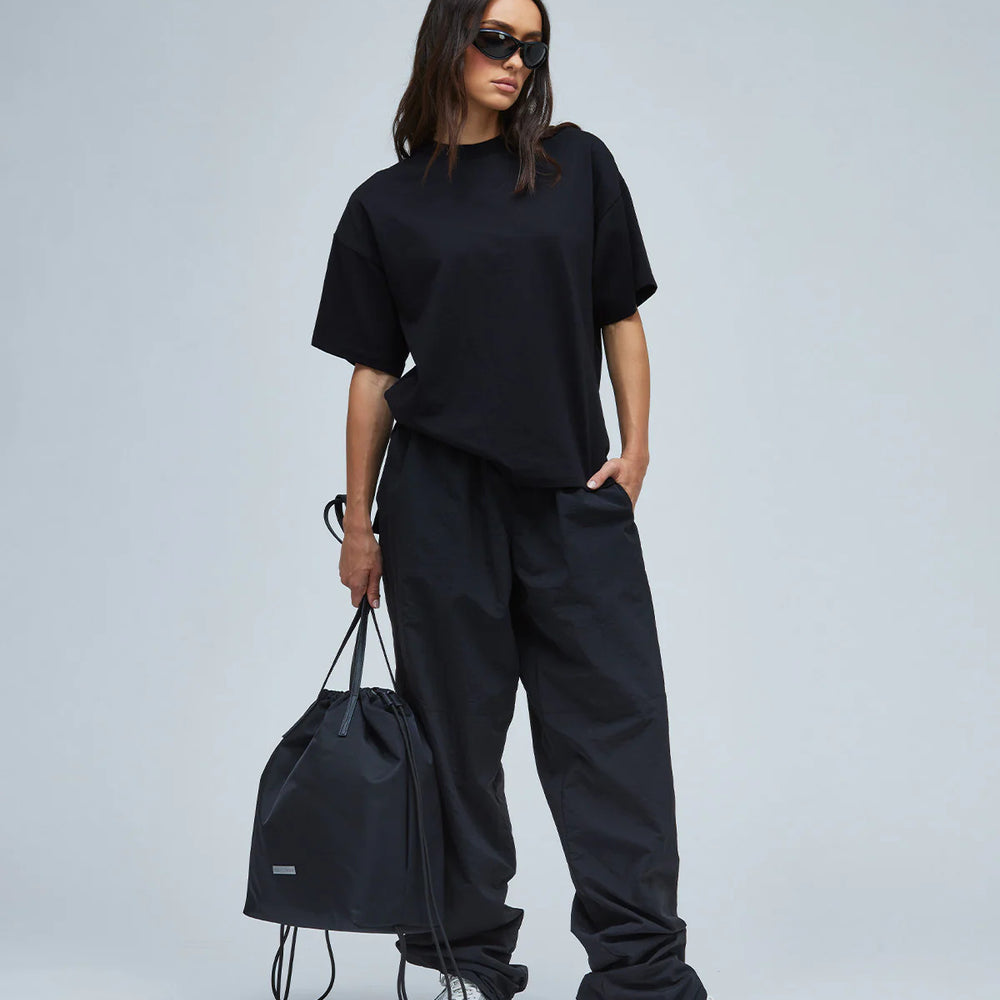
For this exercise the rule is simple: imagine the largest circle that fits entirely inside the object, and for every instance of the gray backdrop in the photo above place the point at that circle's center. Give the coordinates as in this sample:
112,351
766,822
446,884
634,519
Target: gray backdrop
817,187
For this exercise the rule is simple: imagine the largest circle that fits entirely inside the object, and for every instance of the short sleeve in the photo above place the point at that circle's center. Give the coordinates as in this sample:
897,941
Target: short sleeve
622,276
357,318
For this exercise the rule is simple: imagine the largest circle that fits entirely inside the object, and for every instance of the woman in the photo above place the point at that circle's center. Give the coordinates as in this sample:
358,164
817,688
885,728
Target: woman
497,252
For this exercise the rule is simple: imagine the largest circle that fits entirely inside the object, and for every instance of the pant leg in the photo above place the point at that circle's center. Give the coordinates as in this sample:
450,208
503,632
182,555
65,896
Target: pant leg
446,579
591,667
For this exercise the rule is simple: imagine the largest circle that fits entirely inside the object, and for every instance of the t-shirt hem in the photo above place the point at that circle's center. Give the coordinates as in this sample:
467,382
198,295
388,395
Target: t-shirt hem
520,478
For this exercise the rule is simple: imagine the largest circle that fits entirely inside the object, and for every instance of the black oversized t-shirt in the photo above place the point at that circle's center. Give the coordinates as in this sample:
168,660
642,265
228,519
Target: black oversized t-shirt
498,298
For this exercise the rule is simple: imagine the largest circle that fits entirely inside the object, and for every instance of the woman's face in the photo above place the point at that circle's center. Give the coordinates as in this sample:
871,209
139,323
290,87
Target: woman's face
520,18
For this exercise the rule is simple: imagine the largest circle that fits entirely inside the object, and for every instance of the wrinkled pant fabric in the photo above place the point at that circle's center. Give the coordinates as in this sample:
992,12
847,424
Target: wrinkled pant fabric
488,583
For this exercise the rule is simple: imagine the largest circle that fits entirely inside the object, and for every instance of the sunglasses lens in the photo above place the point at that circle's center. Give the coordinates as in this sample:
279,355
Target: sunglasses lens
534,54
495,44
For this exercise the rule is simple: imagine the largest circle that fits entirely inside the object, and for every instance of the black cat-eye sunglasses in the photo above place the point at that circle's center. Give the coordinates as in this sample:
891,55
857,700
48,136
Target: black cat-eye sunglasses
496,44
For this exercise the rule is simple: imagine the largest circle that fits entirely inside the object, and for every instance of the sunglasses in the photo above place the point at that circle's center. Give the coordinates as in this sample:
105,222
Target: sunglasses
496,44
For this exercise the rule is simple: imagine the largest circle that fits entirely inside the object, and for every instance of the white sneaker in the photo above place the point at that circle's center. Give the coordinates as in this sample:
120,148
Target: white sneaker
472,992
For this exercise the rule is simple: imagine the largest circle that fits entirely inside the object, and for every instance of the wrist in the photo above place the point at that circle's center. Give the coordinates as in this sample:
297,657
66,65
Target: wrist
359,521
637,455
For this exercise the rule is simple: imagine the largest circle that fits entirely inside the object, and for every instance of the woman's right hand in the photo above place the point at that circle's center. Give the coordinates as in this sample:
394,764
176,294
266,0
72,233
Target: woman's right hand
361,563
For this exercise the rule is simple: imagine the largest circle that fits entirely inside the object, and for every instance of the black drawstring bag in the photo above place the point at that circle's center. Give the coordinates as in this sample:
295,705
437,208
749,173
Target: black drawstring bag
347,833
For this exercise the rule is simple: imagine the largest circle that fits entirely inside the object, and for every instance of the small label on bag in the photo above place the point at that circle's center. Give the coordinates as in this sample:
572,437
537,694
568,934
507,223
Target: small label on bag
283,869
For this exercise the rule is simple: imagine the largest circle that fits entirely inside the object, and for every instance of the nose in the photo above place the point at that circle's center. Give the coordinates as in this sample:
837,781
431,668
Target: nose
514,61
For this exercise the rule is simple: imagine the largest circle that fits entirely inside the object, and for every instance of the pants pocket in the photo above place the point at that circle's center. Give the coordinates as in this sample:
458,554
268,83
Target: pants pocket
621,491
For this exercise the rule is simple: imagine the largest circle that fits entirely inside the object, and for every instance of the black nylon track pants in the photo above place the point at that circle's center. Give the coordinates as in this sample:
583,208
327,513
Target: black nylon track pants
489,582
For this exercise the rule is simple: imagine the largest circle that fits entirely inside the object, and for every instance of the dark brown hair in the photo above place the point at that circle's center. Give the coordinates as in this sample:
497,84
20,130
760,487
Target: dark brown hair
436,93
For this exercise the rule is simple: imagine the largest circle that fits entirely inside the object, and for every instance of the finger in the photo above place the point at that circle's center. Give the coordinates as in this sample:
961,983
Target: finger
597,479
373,588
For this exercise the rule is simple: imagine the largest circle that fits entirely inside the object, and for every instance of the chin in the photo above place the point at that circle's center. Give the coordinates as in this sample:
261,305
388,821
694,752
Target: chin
497,101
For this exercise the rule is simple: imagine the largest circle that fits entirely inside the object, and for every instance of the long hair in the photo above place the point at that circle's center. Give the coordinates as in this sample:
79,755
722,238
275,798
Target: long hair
436,94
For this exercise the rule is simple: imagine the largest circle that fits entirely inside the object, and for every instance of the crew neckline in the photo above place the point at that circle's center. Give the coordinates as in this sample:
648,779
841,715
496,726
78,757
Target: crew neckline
471,150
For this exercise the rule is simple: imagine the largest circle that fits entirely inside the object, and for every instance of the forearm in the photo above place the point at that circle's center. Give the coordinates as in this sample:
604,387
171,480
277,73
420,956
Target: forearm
369,423
628,368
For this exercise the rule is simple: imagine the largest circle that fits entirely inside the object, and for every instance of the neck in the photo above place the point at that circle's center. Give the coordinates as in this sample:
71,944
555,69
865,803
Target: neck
477,129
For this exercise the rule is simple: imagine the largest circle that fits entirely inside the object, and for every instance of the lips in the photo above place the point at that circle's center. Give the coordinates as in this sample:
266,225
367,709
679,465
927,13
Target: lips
506,84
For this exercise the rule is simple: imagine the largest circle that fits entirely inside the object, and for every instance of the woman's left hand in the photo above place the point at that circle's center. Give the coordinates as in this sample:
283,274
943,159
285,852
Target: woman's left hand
627,472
